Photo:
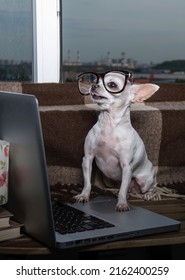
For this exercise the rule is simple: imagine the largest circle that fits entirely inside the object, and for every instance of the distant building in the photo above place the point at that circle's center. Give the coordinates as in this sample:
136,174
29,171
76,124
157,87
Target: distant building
69,61
104,60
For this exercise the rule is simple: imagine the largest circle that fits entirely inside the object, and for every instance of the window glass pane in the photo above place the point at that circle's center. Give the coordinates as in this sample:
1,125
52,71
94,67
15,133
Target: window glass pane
139,35
16,40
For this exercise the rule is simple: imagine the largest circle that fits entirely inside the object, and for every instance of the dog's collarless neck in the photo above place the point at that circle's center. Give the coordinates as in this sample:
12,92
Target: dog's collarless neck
116,116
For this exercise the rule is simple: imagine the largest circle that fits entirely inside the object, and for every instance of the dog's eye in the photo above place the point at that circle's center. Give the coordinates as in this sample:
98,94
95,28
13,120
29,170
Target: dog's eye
112,85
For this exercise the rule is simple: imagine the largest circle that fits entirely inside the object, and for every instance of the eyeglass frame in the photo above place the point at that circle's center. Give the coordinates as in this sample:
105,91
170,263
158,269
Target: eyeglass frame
126,73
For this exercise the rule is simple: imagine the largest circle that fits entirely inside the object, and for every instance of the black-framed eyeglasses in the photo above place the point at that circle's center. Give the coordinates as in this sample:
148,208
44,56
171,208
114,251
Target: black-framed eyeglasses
114,81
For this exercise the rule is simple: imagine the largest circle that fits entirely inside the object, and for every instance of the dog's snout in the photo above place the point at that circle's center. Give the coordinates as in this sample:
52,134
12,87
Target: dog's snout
94,87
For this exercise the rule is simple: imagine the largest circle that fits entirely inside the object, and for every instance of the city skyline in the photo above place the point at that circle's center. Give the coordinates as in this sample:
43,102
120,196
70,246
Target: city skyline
107,59
148,31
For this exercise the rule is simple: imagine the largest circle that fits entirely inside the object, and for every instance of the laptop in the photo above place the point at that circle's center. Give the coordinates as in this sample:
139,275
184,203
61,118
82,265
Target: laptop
29,190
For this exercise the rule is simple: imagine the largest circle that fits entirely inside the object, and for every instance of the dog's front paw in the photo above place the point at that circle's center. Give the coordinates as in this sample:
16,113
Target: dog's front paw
122,207
81,198
149,196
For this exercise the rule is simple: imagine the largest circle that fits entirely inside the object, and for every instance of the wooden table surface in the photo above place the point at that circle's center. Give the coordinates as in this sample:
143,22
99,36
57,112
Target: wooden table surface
173,208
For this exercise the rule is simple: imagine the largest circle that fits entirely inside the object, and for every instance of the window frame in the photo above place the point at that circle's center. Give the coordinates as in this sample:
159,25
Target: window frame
47,41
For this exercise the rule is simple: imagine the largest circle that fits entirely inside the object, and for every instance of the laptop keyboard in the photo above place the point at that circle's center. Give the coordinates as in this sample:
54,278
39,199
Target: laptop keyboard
70,220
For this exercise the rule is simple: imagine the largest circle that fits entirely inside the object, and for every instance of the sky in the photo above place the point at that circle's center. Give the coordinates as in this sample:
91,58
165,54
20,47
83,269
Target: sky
146,30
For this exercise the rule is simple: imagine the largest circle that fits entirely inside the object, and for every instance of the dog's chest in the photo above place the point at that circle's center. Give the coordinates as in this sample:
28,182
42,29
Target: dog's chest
107,140
106,152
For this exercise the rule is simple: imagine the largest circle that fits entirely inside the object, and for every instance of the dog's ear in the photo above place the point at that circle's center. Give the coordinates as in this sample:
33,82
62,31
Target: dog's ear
142,92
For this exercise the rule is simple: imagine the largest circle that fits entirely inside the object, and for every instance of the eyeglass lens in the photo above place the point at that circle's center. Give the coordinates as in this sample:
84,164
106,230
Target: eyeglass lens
86,81
114,82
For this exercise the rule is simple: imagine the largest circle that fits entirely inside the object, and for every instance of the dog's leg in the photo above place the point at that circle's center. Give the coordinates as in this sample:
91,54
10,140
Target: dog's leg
146,187
122,204
87,170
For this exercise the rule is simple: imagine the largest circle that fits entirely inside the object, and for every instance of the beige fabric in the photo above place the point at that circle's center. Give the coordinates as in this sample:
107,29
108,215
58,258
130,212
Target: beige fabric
160,126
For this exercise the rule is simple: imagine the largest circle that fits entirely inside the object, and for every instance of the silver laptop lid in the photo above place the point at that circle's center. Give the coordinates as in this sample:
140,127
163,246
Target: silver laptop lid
29,194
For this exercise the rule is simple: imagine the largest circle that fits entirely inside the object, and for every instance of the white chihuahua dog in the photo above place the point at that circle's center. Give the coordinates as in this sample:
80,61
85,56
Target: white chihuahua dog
116,147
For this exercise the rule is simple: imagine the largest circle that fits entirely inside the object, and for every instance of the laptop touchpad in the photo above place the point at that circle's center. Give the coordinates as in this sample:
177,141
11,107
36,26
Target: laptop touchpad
106,206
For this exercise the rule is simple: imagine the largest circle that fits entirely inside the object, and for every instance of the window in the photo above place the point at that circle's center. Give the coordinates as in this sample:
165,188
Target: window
97,35
137,35
16,40
30,40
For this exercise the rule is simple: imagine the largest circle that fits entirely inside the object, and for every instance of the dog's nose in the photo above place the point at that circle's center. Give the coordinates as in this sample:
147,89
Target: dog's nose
94,87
